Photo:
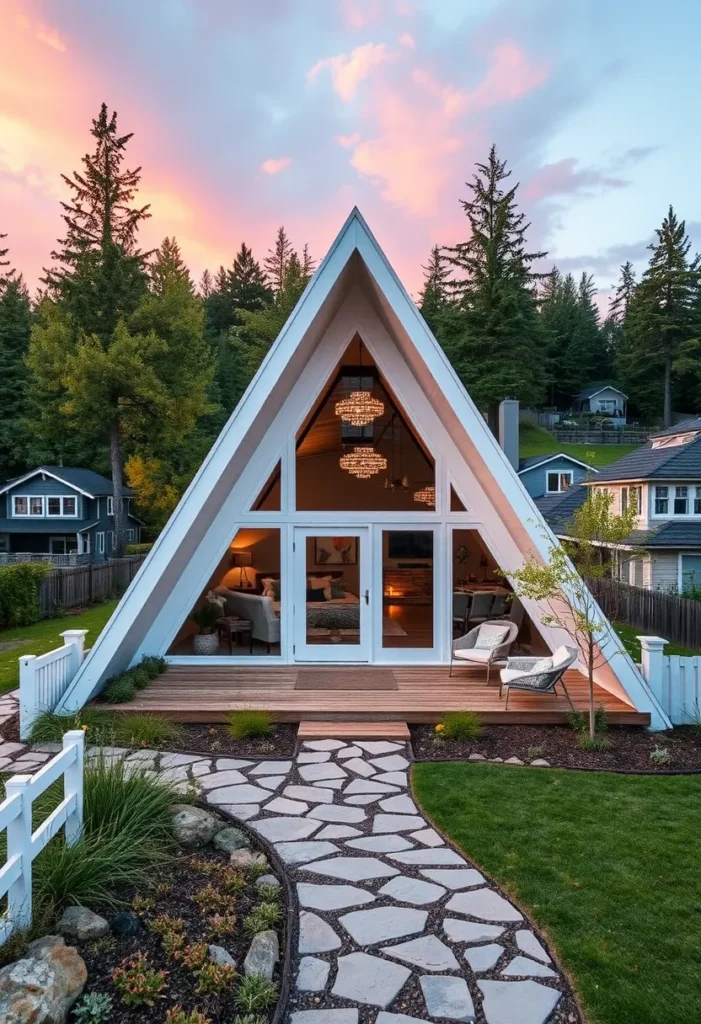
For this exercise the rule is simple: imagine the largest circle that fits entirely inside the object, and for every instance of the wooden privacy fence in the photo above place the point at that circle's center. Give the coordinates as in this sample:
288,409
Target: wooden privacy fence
44,678
675,681
616,435
651,611
83,585
24,844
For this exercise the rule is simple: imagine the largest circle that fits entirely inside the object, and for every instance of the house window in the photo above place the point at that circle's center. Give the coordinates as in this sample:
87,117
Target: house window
100,543
681,501
697,502
130,535
63,545
558,482
60,505
661,501
86,543
110,505
27,505
630,495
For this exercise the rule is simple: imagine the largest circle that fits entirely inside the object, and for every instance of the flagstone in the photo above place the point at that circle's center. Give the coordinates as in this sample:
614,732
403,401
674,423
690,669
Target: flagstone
523,966
246,794
393,778
379,746
278,830
362,799
338,832
359,767
391,763
368,786
353,869
270,781
337,812
244,812
395,823
412,890
448,997
330,783
484,904
428,836
312,974
310,793
367,927
315,935
470,931
315,772
385,843
281,805
384,1017
483,958
426,952
369,979
175,760
271,768
454,878
324,744
349,752
528,943
311,757
399,805
346,1016
332,897
440,856
517,1002
223,764
303,852
216,780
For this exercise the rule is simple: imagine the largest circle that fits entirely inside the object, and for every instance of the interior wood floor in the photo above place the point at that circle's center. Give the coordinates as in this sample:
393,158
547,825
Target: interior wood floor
207,693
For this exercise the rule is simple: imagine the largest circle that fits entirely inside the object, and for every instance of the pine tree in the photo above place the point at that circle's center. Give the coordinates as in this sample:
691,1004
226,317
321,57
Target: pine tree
308,264
246,282
206,284
434,294
498,353
15,326
168,268
588,354
661,316
5,275
277,260
620,302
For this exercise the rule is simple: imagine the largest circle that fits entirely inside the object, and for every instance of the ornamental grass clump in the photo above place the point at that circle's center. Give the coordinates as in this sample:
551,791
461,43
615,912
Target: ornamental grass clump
460,725
145,730
255,993
250,725
262,918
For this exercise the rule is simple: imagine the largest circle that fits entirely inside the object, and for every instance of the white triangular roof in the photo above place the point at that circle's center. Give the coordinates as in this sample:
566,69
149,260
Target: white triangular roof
354,255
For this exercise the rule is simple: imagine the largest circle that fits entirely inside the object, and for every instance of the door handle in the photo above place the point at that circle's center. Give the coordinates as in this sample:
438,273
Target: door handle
367,597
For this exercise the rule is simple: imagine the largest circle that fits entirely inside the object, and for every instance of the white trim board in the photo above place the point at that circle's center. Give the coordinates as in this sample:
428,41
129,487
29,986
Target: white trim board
354,290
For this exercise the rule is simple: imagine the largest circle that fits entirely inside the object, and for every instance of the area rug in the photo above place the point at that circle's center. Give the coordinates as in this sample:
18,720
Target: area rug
346,679
389,628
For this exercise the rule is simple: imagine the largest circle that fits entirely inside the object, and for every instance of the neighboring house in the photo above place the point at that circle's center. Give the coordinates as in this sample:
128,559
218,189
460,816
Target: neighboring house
60,514
604,400
552,474
333,551
664,479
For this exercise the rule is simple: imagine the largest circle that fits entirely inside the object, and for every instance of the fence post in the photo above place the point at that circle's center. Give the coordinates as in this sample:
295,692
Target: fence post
73,785
19,844
27,694
75,639
652,648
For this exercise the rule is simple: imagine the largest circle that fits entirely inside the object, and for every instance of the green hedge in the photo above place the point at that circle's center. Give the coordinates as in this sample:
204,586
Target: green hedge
19,592
138,549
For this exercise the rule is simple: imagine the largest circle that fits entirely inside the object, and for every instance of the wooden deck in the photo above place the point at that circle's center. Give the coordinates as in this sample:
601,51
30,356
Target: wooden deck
199,694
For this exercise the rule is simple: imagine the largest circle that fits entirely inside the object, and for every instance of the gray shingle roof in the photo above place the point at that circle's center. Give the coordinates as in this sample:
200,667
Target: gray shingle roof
680,428
558,509
85,479
594,389
682,462
668,535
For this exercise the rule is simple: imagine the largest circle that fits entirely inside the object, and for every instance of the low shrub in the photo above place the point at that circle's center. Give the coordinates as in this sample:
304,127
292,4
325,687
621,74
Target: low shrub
139,677
598,742
176,1015
460,725
211,901
534,753
255,993
195,956
250,725
213,979
269,893
154,664
138,549
262,918
20,585
145,730
660,757
119,690
579,720
221,925
137,983
93,1008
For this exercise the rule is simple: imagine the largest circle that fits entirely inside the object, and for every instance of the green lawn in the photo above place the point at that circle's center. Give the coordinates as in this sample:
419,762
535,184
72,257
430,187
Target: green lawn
536,440
44,636
629,635
607,865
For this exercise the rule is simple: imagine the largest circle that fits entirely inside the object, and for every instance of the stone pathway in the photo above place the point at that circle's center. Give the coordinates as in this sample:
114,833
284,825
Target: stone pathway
394,926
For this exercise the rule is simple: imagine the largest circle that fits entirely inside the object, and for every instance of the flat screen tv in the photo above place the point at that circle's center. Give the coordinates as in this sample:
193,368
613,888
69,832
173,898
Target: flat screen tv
410,544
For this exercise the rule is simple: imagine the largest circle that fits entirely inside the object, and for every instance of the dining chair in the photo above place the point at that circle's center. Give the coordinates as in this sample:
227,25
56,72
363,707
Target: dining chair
500,606
461,605
480,608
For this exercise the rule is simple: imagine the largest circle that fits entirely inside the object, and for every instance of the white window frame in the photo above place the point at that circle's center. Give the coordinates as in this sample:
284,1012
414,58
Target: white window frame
62,499
85,544
697,501
681,497
29,498
559,473
110,505
100,543
660,498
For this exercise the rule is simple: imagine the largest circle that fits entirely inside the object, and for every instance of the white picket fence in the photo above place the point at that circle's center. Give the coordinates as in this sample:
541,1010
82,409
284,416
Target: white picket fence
675,681
23,844
44,678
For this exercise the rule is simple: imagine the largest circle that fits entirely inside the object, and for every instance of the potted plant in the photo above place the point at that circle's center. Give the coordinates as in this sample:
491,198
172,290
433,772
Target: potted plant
207,640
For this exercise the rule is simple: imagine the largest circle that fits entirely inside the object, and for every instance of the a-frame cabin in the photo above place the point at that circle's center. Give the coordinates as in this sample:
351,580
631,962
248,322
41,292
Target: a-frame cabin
339,549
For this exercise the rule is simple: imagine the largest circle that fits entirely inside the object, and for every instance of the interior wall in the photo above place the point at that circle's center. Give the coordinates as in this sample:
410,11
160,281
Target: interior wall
351,573
322,485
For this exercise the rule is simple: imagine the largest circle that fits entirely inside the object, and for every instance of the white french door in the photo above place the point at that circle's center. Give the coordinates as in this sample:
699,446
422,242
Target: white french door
339,630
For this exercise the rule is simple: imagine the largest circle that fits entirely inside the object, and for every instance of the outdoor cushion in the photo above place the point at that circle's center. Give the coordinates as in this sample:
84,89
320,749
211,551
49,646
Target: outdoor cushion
508,675
490,637
560,655
543,665
474,654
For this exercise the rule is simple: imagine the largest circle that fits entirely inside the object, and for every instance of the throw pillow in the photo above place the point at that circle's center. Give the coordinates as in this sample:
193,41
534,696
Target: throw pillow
315,594
323,583
491,636
544,665
338,590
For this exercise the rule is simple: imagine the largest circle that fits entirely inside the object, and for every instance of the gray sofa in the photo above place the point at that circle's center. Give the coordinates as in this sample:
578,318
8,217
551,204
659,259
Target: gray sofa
265,624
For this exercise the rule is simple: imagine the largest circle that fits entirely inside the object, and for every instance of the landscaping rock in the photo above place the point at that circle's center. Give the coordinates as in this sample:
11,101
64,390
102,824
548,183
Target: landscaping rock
220,956
268,880
125,924
231,839
540,763
194,827
513,760
245,859
42,986
477,757
82,924
263,954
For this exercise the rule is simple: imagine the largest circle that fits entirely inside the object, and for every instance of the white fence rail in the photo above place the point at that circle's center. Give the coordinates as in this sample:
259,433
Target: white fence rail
23,844
44,678
675,681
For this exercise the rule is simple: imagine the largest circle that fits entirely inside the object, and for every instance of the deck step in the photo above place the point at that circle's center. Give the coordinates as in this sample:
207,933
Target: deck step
309,730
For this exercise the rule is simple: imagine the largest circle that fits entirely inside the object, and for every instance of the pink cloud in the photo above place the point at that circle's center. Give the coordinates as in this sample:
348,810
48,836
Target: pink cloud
359,13
347,140
563,178
273,166
406,39
349,70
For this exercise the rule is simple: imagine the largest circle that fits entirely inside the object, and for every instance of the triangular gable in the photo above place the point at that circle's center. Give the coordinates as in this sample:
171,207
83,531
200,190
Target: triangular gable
466,429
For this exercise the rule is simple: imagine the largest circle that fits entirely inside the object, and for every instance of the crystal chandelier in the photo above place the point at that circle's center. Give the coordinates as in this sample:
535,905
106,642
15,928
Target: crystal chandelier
359,409
427,495
363,462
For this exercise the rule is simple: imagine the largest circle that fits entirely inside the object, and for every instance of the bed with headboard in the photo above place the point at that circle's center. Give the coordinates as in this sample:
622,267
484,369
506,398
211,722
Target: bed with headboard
329,602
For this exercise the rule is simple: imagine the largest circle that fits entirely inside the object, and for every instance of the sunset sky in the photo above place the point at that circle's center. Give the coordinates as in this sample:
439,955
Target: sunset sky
247,115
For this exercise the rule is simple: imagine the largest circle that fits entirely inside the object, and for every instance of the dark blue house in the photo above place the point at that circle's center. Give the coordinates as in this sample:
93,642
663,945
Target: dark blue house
543,475
62,514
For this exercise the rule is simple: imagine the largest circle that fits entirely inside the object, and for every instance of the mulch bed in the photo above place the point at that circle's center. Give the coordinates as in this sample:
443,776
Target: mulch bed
630,747
187,876
215,739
